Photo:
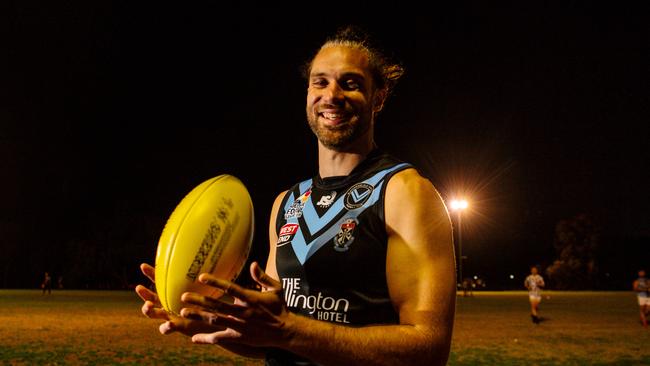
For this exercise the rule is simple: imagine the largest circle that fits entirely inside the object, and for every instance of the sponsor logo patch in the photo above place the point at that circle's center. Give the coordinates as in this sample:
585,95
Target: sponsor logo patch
358,195
319,305
286,234
295,210
327,200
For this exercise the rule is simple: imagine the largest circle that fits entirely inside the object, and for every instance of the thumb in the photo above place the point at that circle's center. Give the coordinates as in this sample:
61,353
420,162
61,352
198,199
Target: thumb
267,282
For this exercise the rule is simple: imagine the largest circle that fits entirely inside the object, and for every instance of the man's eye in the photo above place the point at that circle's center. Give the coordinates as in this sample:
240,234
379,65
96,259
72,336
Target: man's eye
352,85
319,83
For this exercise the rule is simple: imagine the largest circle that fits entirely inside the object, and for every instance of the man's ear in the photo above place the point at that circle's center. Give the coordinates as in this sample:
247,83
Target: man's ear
380,98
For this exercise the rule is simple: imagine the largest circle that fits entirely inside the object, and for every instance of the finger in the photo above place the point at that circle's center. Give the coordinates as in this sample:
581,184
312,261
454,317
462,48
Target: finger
212,303
149,271
187,327
150,310
214,306
228,287
212,319
214,338
146,294
193,298
166,328
267,282
200,315
203,338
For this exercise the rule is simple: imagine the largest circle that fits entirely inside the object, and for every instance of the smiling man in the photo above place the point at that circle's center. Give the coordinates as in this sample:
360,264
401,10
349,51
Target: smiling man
361,266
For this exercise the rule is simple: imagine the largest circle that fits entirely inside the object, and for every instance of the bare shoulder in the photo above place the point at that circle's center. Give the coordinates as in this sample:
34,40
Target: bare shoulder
408,189
274,213
412,199
410,182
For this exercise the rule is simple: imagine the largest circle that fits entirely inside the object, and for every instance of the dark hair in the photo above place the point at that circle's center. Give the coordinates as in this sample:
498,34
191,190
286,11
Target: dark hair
385,71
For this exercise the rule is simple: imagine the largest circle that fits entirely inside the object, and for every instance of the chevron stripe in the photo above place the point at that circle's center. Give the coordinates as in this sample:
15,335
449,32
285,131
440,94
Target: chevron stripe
305,244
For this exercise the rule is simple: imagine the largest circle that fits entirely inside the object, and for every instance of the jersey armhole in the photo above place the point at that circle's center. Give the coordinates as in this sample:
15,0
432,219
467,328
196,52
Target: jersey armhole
381,212
280,214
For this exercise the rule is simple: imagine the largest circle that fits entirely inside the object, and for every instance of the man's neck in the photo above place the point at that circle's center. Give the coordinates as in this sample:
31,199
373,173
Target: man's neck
333,163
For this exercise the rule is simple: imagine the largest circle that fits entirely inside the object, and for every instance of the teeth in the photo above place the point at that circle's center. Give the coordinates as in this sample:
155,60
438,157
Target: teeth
332,115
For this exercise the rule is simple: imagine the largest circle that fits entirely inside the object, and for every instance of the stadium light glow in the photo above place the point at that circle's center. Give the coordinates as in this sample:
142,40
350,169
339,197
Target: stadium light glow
459,204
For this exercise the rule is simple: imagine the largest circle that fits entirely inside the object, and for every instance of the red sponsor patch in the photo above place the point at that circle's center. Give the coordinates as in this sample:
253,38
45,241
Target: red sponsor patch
288,229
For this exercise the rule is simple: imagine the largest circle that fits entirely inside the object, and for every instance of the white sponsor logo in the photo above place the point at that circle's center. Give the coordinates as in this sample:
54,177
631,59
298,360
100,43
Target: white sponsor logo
323,307
326,201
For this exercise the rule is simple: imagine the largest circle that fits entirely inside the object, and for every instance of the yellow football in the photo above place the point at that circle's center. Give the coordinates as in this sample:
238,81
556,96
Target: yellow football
210,231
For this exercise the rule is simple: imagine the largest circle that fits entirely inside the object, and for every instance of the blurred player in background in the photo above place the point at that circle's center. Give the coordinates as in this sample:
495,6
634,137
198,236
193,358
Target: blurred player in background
534,283
47,283
642,287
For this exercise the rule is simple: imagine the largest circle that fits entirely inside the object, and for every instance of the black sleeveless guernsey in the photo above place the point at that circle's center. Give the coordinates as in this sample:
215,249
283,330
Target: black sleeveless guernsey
331,249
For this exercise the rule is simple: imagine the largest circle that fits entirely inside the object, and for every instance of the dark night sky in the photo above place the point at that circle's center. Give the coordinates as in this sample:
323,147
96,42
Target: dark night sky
111,112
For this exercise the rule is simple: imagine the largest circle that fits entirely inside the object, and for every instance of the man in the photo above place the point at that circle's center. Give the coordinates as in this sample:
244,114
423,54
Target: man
641,286
534,283
363,271
47,284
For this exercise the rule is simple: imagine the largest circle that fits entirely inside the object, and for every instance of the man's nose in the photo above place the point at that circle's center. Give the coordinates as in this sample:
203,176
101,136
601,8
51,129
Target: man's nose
333,94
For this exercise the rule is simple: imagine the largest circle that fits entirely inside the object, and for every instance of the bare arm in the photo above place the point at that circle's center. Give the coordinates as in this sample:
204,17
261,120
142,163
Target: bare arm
271,269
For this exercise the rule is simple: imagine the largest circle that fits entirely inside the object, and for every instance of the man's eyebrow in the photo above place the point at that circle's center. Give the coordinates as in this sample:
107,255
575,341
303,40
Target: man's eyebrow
353,74
348,74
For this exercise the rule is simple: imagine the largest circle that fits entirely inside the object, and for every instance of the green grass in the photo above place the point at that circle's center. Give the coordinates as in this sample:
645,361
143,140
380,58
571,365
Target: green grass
92,328
491,328
578,328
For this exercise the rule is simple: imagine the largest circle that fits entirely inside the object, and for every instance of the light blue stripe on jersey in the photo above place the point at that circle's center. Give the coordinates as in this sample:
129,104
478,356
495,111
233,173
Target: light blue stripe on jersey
304,250
316,223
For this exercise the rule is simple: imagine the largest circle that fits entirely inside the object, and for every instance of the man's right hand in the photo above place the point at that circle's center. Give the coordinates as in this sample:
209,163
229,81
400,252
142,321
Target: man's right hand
152,308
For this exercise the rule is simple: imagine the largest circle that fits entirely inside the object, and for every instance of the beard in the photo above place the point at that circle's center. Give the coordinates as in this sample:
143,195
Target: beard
341,136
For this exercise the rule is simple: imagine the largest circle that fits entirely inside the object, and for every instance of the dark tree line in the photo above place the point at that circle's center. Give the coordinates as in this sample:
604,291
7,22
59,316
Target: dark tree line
576,243
588,258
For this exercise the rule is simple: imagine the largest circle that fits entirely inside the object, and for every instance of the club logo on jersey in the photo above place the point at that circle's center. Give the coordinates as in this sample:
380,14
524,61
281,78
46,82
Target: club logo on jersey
345,236
295,210
286,234
357,195
327,200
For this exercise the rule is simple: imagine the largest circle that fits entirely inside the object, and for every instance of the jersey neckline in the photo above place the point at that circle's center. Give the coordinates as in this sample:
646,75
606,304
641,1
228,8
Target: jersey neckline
340,181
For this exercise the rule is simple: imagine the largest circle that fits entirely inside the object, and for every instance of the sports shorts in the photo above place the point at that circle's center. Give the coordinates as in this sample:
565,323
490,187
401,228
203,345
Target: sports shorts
537,298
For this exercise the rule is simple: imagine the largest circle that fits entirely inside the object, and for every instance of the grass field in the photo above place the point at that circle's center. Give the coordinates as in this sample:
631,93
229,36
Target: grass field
492,328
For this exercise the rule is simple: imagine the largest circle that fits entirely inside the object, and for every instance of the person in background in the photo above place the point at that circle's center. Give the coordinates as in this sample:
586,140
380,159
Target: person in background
642,287
47,283
534,283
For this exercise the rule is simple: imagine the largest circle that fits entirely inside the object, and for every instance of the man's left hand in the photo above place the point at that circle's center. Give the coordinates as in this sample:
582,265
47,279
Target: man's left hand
255,318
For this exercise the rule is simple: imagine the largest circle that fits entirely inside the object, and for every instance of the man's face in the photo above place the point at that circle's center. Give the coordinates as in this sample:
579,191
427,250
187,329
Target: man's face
533,270
641,273
341,96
